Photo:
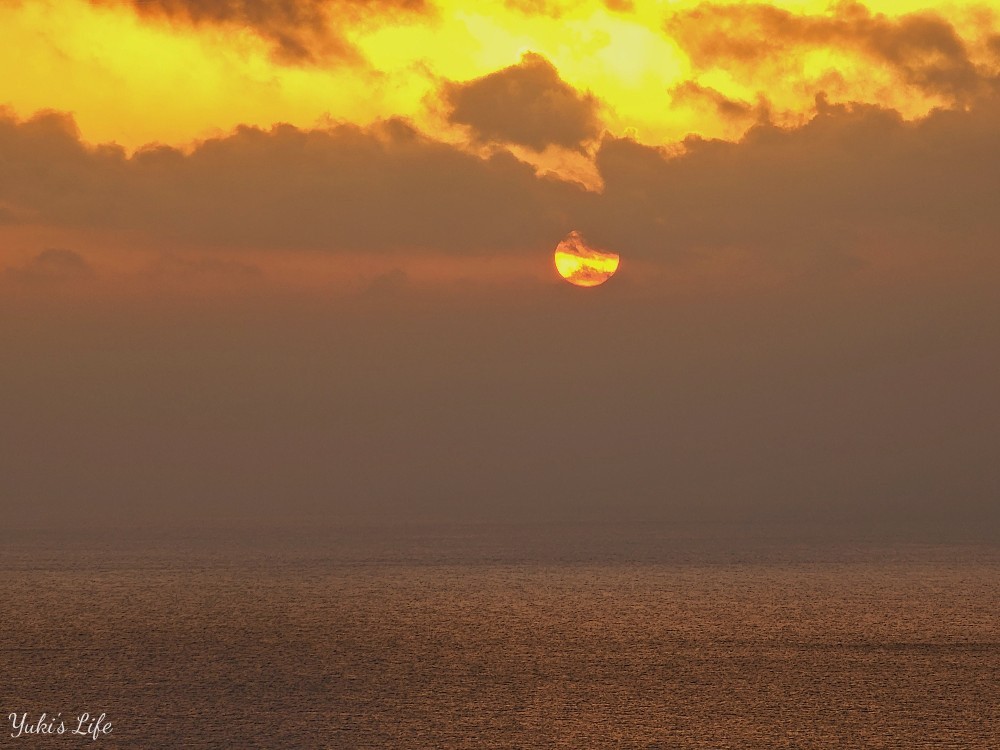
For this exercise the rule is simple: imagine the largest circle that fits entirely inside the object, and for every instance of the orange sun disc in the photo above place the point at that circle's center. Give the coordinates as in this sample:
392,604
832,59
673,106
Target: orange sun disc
583,265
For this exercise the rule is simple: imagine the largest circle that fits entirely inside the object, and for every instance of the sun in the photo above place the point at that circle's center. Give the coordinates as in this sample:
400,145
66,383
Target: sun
583,265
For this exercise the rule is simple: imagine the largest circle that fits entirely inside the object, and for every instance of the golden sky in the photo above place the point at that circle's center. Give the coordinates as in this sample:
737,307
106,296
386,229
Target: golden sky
180,70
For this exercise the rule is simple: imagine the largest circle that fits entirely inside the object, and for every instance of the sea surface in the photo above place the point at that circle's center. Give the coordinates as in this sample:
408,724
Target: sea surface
500,637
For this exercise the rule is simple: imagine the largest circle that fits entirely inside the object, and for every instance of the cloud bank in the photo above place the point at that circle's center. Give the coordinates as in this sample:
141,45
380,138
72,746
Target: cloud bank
851,179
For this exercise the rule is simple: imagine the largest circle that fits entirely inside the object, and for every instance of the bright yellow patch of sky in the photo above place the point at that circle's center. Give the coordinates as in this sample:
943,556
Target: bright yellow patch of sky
135,81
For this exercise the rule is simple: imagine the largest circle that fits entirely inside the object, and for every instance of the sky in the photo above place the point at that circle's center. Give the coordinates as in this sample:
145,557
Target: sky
270,260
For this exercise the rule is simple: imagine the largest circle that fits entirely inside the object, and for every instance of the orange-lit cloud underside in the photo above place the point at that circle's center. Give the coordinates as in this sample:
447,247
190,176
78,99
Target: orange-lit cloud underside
135,73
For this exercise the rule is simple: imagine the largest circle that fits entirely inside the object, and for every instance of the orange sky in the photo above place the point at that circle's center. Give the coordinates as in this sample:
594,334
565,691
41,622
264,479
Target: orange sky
658,70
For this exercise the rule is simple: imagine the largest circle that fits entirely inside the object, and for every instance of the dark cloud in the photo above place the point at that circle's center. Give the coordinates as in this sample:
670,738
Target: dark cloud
343,189
51,265
730,109
801,197
993,44
923,48
850,175
299,31
527,104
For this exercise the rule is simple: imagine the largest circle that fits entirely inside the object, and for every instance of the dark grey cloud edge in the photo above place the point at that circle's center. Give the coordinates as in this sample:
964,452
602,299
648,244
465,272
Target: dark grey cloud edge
850,173
527,104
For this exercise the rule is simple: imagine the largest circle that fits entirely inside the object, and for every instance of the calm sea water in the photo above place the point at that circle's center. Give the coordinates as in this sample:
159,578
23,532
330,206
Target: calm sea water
470,637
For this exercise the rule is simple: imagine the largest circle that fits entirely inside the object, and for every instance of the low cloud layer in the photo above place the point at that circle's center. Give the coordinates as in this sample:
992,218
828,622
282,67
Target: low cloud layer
851,177
345,189
853,180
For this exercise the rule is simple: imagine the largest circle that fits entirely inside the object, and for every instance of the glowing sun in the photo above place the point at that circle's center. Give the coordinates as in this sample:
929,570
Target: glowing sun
583,265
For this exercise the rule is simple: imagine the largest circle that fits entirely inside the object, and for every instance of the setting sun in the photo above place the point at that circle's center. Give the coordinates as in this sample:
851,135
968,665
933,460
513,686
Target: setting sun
583,265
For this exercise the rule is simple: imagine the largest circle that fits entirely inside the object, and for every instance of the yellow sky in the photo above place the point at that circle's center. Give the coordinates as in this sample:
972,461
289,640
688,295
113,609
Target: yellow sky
138,80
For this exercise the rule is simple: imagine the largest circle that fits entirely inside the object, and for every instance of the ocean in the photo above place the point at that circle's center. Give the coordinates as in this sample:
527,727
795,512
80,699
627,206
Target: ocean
498,636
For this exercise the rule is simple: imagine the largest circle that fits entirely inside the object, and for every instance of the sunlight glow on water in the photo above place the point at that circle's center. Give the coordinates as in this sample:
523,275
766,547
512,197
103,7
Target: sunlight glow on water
418,642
